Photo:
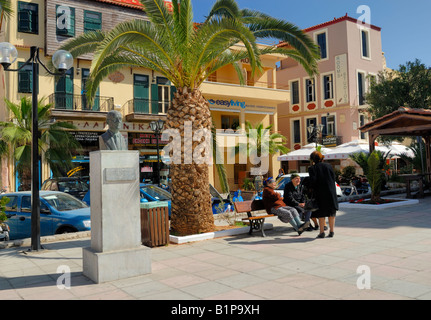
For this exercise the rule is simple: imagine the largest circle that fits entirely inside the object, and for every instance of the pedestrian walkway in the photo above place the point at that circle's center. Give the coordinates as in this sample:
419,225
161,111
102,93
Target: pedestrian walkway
393,246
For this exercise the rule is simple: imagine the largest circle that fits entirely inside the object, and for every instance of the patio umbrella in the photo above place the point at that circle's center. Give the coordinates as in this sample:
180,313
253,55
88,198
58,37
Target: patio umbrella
302,154
344,150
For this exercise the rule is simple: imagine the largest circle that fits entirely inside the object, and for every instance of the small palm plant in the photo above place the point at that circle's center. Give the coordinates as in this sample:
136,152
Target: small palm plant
375,176
3,202
55,142
374,166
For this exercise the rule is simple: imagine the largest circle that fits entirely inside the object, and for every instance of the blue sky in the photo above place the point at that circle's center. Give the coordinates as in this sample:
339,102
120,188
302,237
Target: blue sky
405,24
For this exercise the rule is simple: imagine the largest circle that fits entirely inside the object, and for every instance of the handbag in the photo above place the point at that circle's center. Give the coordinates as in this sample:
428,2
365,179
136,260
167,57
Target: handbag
311,205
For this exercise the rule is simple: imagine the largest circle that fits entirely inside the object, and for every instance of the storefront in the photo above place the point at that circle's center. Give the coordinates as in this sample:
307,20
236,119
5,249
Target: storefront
138,136
230,114
146,143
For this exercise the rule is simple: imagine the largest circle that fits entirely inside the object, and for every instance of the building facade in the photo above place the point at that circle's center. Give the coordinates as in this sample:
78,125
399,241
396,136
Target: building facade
333,101
140,94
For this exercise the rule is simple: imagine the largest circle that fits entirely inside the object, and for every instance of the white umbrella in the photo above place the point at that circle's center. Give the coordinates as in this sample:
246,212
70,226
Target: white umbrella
396,149
344,150
302,154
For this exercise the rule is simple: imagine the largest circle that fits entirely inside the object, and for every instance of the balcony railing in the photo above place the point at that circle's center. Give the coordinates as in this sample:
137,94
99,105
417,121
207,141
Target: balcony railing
249,83
75,102
146,106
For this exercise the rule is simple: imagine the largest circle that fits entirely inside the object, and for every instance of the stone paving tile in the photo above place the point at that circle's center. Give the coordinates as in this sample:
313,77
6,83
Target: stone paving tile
281,266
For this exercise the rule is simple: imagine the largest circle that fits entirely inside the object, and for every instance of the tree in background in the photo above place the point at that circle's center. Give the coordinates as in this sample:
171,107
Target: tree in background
55,142
409,86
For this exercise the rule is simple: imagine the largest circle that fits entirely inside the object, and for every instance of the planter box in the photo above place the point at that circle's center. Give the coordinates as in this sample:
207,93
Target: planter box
401,202
213,235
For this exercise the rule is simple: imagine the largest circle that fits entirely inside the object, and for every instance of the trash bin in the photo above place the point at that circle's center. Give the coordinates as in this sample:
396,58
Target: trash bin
154,223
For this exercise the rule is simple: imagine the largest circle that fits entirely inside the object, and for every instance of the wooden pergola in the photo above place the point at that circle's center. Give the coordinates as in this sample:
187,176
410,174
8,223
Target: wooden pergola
403,122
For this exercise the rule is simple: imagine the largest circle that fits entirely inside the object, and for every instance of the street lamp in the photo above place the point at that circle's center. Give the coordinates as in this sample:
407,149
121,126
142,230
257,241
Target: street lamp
157,127
62,61
315,131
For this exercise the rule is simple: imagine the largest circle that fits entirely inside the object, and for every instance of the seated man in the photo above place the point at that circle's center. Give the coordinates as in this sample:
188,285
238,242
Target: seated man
294,196
274,204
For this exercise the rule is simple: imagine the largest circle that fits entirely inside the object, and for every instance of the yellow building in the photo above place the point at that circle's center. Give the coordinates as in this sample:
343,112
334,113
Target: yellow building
140,94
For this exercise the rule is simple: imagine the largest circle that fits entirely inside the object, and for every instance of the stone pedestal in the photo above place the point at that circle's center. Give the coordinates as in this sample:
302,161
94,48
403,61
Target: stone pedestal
116,251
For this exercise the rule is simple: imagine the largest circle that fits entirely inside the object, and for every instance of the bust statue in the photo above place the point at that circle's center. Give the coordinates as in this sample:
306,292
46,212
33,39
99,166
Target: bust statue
113,139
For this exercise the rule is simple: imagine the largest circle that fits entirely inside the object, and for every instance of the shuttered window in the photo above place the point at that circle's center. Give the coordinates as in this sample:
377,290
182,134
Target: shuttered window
28,17
92,21
65,21
25,78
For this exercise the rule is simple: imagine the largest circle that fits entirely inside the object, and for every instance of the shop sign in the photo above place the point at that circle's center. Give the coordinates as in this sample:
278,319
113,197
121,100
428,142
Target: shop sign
145,139
85,137
227,103
102,126
329,141
235,103
341,76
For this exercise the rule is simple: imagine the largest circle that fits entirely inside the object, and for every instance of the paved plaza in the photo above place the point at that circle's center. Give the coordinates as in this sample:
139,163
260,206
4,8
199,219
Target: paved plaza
389,250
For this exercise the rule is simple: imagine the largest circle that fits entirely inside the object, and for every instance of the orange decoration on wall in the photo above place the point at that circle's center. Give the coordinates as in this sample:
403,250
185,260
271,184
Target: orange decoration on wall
329,103
311,106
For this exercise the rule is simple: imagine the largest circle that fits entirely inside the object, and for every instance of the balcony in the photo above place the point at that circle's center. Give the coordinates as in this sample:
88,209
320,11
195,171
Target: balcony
145,109
74,105
264,91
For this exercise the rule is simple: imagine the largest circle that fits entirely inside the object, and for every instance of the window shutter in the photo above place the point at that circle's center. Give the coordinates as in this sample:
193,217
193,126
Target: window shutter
28,17
154,99
92,21
70,31
25,78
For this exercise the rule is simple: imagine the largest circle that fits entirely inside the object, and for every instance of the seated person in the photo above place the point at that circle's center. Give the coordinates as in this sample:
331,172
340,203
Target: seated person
274,204
294,196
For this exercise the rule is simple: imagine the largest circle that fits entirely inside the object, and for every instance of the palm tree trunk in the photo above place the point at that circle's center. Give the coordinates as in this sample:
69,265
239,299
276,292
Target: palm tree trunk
191,200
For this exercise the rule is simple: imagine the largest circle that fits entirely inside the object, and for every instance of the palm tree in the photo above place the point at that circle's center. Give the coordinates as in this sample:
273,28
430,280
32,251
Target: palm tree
55,142
261,142
187,53
5,10
419,155
374,166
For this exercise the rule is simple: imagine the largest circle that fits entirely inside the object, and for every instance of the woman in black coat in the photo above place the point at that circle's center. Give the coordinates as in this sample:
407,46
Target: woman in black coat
322,178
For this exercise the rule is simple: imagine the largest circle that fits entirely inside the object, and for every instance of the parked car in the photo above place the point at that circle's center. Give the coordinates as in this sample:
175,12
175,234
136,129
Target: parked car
59,213
75,186
285,179
148,193
151,192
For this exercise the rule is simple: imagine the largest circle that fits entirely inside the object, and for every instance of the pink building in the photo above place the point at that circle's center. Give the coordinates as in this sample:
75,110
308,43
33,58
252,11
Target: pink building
333,101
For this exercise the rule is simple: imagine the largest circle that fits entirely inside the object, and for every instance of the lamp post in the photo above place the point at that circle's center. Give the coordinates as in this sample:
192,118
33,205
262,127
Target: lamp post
315,131
157,127
62,61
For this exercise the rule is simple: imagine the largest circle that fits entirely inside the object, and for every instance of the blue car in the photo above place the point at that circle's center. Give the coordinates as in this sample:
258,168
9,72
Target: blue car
151,192
59,213
148,193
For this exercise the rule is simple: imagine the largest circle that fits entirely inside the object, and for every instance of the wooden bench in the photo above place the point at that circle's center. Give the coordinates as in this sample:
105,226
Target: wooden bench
256,221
